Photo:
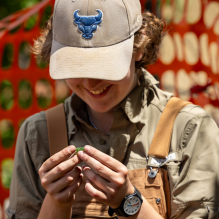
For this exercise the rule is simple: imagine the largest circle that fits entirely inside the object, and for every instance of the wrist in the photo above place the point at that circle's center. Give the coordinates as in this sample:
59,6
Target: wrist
65,206
55,209
130,190
129,206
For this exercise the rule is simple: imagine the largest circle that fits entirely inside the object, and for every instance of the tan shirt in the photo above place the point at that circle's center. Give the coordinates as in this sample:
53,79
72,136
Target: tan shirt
193,166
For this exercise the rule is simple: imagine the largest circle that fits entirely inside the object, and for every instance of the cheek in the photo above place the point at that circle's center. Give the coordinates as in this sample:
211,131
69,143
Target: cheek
73,82
129,80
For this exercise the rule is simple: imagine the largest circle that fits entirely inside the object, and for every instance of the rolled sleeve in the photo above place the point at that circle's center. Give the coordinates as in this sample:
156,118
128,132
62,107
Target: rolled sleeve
196,193
26,192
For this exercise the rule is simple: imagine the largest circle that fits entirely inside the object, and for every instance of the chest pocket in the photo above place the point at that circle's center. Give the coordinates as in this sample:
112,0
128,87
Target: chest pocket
155,190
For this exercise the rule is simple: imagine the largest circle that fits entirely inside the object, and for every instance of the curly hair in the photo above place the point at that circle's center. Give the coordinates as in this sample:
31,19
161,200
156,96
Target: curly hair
147,40
43,44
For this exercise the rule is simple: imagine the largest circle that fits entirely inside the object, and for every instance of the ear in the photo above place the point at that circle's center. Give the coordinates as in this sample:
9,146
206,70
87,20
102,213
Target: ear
139,56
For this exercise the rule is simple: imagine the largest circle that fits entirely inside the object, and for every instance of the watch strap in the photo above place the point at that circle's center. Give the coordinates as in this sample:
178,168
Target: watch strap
138,194
119,211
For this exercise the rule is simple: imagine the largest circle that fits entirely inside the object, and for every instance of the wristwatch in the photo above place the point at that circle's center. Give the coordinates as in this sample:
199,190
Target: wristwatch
130,205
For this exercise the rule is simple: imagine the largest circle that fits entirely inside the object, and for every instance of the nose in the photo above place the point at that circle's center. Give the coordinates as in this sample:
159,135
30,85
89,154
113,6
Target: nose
91,84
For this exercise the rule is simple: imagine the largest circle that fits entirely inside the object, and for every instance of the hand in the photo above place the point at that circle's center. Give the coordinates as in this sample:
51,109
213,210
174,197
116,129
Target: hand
111,177
60,177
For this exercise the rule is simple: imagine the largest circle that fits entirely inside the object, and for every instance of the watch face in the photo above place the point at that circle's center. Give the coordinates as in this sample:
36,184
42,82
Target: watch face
132,205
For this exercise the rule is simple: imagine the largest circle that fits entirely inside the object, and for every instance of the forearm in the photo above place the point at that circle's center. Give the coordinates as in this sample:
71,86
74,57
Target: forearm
146,212
51,210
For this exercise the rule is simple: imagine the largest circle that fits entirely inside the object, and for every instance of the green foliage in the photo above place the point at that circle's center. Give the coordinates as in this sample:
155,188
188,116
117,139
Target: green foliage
41,64
30,23
44,93
47,13
10,6
44,102
7,133
6,95
6,172
25,94
7,58
27,3
24,55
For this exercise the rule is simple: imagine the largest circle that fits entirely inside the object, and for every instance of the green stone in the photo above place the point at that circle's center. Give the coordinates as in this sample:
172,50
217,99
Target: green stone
77,150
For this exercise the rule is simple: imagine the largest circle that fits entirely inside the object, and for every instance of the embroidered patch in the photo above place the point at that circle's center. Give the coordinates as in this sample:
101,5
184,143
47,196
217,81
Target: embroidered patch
88,24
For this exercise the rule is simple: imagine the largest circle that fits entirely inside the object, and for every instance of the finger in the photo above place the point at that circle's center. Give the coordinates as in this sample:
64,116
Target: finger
95,193
65,181
69,191
100,182
62,168
57,158
103,158
98,167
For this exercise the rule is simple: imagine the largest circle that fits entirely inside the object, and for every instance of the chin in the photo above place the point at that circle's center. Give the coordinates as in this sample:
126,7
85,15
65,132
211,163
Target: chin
101,109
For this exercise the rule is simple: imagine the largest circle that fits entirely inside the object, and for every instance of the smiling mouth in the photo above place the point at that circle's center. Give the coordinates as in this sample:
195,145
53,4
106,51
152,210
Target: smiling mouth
97,92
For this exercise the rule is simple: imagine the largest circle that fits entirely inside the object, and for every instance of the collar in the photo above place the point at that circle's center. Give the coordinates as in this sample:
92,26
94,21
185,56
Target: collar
134,104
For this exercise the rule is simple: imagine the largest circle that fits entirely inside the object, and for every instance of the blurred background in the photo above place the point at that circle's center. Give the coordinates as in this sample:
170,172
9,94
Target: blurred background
188,65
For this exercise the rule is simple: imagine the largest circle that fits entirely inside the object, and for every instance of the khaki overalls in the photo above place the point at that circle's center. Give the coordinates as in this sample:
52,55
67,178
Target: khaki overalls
152,182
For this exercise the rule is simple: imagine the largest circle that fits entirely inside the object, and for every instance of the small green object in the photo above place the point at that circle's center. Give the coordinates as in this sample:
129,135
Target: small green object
77,150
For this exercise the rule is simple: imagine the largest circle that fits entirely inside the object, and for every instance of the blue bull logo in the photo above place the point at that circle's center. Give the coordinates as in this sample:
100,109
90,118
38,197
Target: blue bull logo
88,24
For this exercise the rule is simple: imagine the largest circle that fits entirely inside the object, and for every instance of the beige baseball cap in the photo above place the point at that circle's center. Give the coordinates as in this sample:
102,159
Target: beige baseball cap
93,38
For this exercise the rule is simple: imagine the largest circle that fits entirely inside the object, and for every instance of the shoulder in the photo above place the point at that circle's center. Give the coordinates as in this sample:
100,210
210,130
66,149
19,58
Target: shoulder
195,111
32,126
38,121
191,114
160,99
189,118
32,140
33,122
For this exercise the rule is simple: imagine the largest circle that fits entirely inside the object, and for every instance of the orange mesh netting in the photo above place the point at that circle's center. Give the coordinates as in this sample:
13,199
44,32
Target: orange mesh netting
188,64
25,85
188,67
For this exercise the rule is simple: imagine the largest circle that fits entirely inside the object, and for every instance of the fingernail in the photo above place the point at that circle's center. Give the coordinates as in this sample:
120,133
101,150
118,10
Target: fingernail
87,147
84,166
70,178
78,167
88,181
72,149
81,153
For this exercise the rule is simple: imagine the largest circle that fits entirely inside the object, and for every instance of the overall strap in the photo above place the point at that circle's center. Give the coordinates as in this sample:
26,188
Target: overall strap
57,130
161,141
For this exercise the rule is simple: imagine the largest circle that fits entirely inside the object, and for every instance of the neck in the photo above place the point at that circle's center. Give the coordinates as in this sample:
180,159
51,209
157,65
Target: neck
103,121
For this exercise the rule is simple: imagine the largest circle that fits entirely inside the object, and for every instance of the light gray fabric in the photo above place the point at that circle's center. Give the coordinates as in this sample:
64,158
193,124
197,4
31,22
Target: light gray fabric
193,174
86,47
120,20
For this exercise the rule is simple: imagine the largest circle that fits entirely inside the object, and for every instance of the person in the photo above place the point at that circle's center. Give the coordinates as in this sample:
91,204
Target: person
102,49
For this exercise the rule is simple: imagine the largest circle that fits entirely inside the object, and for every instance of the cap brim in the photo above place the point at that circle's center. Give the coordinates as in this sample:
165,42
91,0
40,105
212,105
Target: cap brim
105,63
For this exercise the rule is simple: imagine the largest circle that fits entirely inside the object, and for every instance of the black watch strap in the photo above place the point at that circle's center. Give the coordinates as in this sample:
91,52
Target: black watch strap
111,212
119,211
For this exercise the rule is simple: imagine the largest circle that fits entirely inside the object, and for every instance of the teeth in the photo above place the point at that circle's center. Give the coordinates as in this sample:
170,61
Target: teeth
98,91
